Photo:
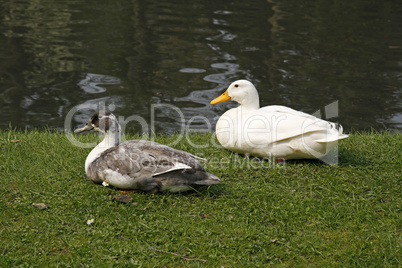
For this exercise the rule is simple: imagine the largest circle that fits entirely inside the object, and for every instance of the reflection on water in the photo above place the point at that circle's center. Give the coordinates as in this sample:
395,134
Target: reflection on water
192,70
55,55
92,83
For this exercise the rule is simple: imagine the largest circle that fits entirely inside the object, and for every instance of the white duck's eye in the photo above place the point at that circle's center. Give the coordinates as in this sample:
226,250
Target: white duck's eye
236,85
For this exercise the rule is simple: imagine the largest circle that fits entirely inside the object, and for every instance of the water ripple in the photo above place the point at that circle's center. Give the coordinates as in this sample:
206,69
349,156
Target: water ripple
91,83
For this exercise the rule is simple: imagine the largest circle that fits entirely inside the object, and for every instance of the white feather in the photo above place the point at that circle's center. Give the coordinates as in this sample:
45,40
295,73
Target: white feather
177,166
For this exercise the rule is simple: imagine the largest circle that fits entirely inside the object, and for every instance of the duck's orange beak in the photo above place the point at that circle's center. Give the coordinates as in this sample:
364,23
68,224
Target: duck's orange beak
221,98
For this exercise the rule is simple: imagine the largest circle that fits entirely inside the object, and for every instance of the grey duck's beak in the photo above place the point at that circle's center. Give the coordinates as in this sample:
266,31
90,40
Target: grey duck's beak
87,127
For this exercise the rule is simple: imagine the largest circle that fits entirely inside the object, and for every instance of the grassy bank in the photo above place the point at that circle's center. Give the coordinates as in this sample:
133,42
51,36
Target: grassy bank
301,213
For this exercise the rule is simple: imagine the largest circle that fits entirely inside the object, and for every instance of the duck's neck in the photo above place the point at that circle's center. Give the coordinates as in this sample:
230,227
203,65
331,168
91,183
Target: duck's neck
251,103
111,139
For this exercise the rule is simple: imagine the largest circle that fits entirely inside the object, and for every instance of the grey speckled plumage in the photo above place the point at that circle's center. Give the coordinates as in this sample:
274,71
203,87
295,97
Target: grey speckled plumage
141,164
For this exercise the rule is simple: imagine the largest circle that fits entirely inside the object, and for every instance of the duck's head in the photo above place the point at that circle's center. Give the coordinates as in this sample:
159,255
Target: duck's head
103,121
240,91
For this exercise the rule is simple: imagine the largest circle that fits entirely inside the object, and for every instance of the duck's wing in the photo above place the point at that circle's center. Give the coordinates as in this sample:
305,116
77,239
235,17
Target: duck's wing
286,111
155,148
192,172
146,166
286,123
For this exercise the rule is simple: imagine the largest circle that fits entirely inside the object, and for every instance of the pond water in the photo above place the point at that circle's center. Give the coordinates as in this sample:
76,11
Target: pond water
132,54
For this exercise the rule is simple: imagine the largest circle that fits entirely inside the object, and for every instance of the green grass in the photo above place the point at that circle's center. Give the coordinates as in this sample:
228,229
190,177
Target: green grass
302,213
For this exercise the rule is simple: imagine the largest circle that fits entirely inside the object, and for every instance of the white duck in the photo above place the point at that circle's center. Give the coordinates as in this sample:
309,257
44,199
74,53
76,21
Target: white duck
272,131
140,164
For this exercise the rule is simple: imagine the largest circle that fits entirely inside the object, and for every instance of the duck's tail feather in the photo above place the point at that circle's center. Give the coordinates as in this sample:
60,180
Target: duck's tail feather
336,135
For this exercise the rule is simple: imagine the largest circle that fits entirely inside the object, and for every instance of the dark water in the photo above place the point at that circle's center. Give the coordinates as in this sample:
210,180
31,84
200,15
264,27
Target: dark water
55,55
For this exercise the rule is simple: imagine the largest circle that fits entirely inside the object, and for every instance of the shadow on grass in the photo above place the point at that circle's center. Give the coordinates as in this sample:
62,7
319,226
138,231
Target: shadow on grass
347,158
210,192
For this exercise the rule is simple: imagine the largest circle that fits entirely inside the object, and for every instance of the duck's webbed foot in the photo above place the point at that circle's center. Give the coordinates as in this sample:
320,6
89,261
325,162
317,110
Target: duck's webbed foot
128,191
